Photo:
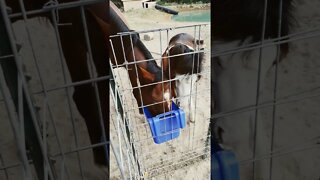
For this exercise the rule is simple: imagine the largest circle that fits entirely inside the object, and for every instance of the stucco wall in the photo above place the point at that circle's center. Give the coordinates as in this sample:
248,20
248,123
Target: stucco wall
132,4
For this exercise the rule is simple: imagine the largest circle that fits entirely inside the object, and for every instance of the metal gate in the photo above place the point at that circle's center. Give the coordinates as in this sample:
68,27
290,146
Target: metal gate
139,155
44,135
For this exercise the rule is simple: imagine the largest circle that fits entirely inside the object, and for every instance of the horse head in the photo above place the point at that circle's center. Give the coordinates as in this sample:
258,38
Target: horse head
184,61
127,48
155,93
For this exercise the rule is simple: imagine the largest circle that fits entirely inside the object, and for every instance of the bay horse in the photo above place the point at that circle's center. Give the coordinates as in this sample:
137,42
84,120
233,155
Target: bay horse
100,26
236,77
180,60
150,75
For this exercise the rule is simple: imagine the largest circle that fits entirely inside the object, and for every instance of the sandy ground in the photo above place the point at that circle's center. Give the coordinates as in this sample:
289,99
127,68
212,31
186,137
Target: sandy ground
157,160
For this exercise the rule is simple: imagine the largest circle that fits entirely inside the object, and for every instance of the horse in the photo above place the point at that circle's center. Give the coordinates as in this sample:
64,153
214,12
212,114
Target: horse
184,67
100,26
150,75
236,76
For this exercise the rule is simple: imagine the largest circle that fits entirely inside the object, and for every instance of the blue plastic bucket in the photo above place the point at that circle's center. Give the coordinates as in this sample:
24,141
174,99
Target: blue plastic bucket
166,126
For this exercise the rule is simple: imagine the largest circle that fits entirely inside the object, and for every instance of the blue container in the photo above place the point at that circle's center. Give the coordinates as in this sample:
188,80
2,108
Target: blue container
166,126
215,168
229,166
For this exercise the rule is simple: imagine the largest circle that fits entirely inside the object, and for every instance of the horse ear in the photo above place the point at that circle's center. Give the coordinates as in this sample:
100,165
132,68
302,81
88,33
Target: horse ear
147,75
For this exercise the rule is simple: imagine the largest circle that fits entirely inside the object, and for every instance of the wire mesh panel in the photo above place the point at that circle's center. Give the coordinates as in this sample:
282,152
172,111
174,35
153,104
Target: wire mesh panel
44,127
265,86
162,160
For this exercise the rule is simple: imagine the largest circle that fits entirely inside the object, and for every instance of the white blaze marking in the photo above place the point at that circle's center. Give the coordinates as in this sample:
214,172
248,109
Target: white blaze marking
166,96
185,86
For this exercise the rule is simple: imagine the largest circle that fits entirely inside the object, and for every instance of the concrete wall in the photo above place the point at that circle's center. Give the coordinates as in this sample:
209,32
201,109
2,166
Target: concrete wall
148,4
132,4
137,4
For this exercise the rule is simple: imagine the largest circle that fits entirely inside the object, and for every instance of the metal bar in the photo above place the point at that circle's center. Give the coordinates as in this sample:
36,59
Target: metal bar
43,86
127,143
59,6
159,29
121,112
69,99
4,169
150,84
255,131
206,90
83,148
91,62
117,160
3,58
12,114
148,138
275,90
78,83
300,149
136,73
141,61
21,121
31,128
271,42
9,72
15,165
9,78
186,160
266,104
128,130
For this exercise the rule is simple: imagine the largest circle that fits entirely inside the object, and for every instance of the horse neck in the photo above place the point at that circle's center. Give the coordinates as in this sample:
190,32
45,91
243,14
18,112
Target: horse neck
129,48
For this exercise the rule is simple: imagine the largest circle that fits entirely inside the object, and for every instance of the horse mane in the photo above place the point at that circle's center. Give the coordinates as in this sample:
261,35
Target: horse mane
151,65
120,26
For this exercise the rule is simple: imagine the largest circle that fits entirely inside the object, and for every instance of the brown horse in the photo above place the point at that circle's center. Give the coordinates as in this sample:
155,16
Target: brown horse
148,71
94,19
